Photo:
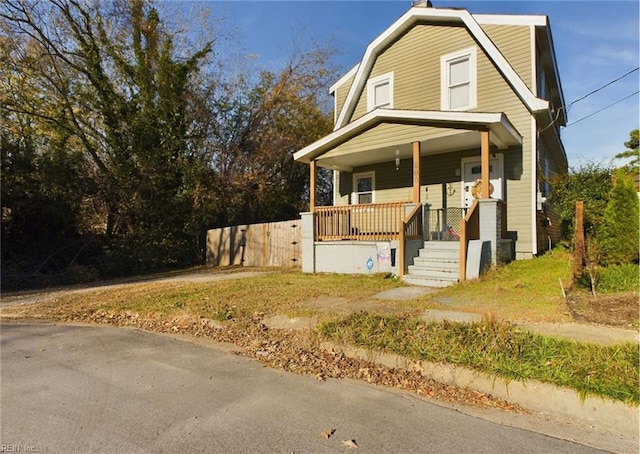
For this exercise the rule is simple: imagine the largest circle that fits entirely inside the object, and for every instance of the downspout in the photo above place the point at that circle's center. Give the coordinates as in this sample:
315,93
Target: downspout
534,186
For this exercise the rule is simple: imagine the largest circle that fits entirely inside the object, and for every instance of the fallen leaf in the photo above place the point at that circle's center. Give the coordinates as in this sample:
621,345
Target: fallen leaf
327,433
350,443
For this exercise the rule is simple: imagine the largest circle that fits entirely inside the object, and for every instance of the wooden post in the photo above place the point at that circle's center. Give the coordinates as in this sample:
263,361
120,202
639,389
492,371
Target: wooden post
312,185
401,250
265,245
416,172
578,241
484,150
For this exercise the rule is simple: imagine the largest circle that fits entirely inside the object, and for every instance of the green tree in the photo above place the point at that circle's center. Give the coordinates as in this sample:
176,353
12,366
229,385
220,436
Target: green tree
632,150
108,76
618,239
142,138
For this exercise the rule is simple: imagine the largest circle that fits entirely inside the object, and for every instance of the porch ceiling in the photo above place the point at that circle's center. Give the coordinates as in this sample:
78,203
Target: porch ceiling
376,136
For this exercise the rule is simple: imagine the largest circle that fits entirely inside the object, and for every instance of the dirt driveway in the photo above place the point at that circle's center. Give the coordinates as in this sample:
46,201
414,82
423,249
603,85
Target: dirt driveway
41,296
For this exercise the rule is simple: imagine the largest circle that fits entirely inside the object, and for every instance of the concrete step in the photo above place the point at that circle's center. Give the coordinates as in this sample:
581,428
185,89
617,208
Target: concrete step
442,245
450,275
426,282
437,265
443,263
439,254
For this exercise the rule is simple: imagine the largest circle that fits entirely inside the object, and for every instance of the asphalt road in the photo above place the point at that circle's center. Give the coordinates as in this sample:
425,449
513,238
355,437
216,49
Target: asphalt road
100,389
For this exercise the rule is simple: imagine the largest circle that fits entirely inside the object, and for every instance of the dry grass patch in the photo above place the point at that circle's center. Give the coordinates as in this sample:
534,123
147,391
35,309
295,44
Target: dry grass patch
281,292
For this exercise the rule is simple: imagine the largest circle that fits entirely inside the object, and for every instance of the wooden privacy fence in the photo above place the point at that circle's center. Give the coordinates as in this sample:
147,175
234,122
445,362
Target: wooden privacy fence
266,244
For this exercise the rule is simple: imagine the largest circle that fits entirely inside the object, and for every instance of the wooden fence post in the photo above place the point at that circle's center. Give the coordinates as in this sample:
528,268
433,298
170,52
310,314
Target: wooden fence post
578,241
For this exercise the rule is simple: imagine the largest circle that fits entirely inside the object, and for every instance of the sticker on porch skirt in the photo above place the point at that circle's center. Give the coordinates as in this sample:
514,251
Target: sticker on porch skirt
370,264
384,254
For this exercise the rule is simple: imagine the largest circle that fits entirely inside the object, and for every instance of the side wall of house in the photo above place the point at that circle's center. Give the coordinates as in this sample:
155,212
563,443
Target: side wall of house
549,225
514,42
340,95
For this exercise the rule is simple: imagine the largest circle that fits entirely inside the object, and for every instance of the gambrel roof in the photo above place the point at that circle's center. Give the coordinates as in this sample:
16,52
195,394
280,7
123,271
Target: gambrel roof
418,15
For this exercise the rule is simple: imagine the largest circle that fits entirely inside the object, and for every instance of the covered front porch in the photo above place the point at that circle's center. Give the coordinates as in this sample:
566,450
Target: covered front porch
387,235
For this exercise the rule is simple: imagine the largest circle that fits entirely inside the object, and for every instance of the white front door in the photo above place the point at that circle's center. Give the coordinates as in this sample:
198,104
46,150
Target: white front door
472,175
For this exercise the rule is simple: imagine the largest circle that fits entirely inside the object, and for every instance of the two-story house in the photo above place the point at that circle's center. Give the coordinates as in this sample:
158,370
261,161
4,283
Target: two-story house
446,134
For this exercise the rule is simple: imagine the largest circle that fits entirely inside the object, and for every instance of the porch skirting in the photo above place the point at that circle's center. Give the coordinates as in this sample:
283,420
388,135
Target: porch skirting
356,257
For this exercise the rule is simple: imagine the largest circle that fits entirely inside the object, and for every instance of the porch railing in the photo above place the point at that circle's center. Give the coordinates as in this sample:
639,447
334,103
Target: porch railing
411,229
378,221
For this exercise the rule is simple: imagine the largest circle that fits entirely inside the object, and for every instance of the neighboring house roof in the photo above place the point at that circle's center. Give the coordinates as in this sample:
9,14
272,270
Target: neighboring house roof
503,133
432,15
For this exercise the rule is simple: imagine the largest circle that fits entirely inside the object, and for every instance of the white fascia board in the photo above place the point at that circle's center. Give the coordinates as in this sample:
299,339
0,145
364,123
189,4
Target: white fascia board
343,79
336,136
534,61
510,19
534,185
435,118
406,21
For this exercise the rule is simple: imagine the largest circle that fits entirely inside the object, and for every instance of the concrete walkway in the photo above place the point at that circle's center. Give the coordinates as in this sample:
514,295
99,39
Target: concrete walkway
596,334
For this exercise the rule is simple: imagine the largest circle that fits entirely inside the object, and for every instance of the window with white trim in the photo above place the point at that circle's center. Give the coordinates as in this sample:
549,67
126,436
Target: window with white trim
380,92
459,80
364,185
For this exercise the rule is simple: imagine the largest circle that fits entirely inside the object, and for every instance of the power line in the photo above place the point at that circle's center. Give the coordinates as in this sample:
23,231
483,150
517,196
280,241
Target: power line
567,109
601,88
604,108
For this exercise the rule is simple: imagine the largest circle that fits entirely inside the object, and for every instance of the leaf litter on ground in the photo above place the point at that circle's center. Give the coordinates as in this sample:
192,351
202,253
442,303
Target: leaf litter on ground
294,351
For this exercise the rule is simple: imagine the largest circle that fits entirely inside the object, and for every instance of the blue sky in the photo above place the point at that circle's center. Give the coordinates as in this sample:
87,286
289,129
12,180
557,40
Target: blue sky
595,42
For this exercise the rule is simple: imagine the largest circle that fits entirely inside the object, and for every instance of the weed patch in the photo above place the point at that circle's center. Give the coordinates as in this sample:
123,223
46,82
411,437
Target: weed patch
501,349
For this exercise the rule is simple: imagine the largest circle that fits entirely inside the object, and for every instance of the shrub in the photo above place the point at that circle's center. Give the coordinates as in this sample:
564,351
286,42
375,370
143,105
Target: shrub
620,278
590,183
618,239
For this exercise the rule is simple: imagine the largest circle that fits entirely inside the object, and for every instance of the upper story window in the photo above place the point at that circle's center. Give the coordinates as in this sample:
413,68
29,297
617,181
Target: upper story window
459,85
363,188
380,92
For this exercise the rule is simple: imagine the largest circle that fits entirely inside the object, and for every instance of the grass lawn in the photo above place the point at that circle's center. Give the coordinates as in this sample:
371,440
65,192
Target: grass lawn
525,290
521,291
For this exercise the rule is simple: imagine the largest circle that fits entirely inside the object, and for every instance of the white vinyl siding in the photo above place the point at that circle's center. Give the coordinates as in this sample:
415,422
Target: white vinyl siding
459,80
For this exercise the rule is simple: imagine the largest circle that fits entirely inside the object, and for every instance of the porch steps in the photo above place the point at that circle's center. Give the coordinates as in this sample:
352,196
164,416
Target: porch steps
437,265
